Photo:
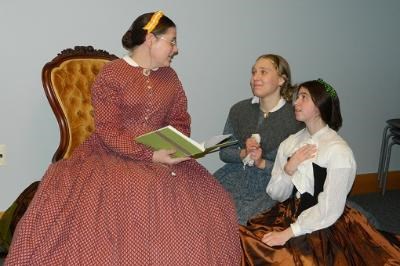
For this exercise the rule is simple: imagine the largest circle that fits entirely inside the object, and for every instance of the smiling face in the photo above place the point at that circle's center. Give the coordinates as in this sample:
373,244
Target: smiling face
164,48
305,108
265,79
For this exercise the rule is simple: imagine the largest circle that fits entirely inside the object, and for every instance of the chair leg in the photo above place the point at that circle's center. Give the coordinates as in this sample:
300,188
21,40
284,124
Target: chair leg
385,140
386,169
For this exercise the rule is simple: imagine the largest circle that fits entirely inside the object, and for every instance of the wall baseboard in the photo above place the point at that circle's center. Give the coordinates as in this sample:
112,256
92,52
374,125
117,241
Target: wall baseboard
368,183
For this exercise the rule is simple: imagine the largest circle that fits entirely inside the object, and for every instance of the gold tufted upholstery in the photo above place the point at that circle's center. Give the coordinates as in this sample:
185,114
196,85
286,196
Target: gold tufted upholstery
67,81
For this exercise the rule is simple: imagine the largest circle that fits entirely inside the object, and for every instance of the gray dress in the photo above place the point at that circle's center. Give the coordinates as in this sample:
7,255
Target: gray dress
247,183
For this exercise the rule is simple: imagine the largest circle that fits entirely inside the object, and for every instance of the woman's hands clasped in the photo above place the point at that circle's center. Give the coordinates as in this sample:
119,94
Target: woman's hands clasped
254,151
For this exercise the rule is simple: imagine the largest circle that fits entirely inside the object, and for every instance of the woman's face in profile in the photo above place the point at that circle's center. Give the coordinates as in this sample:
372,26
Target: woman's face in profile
304,107
164,48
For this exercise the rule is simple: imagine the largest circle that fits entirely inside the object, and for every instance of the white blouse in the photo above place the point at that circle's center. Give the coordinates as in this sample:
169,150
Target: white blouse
335,155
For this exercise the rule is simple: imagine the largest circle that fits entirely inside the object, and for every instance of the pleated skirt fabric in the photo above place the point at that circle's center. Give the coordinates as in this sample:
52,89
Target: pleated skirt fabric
100,209
351,240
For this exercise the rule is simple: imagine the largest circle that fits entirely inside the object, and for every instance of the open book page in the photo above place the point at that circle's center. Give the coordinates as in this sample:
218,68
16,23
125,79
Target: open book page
198,145
170,138
214,141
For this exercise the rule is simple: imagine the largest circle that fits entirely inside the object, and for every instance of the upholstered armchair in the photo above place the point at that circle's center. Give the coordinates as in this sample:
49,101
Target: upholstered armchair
67,81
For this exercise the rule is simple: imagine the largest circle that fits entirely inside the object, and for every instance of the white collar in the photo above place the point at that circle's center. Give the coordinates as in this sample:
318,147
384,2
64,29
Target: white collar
278,106
321,132
132,62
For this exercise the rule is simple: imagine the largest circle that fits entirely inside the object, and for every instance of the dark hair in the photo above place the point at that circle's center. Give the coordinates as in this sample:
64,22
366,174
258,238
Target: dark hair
328,104
282,66
136,35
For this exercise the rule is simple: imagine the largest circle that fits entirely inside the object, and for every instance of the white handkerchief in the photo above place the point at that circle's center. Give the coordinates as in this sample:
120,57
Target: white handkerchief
247,160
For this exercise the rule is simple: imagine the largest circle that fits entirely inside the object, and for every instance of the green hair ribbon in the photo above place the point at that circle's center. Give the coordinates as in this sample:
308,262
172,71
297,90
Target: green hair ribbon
328,88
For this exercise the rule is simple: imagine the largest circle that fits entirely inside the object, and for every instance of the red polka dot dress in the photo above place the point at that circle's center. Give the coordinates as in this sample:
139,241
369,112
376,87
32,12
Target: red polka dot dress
109,204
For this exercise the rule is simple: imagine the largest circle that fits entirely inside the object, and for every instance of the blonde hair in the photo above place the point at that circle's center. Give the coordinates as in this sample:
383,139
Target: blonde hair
282,66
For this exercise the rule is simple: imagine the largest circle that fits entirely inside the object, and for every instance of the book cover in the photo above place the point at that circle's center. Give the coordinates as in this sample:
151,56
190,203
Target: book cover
170,138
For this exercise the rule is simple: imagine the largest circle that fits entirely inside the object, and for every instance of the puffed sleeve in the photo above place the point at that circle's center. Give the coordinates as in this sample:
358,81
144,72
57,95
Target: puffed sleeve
341,171
109,125
230,154
280,186
178,116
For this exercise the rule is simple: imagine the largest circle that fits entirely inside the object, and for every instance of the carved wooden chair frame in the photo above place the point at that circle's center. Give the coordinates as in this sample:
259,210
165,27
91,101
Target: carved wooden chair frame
77,53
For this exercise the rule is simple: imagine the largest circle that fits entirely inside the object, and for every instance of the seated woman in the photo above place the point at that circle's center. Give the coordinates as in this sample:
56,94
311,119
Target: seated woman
270,115
313,173
117,202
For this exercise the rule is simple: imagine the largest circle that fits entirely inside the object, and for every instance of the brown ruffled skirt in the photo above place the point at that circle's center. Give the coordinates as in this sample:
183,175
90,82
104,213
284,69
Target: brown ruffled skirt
351,240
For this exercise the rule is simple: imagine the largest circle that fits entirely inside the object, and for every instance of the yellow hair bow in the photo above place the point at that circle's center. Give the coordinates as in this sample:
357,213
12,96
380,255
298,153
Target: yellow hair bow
155,18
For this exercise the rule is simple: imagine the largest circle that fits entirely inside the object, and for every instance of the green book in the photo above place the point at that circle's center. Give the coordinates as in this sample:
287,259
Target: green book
170,138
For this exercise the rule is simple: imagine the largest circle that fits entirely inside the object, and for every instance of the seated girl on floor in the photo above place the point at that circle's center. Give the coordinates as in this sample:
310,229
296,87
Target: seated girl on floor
312,176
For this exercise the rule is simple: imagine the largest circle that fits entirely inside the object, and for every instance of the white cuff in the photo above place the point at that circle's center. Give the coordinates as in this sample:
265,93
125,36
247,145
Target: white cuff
295,229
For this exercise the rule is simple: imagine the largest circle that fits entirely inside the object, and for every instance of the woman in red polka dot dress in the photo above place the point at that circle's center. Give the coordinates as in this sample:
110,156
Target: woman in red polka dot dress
116,202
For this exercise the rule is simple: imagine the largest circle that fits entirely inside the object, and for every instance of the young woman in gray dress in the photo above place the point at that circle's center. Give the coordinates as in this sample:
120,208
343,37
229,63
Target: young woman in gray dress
270,115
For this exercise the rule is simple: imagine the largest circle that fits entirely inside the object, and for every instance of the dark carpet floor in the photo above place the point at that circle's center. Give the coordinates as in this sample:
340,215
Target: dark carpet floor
386,209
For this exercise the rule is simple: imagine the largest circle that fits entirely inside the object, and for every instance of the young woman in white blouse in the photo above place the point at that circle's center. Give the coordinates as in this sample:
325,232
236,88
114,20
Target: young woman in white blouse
312,176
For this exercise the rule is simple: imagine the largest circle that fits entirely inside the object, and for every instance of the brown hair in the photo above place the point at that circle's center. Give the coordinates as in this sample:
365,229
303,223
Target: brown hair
328,105
282,66
136,35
